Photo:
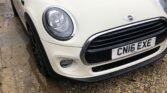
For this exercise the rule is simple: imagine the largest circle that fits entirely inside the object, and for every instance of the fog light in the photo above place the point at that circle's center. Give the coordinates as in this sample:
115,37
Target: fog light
66,63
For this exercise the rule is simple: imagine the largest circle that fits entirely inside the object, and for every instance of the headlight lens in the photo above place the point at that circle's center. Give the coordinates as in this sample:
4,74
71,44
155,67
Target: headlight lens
58,23
164,4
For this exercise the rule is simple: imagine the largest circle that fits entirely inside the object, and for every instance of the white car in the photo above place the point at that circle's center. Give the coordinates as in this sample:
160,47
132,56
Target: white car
92,40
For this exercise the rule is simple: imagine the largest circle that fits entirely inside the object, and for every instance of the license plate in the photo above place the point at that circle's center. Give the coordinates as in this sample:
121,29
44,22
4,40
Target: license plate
133,48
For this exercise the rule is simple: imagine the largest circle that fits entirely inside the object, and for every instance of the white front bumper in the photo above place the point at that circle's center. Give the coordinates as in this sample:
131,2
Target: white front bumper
79,70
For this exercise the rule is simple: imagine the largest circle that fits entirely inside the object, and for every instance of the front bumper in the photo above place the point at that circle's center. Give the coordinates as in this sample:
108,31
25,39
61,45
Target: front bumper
83,72
106,76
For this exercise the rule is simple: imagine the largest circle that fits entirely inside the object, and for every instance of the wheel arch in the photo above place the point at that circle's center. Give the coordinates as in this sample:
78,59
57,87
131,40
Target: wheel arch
28,19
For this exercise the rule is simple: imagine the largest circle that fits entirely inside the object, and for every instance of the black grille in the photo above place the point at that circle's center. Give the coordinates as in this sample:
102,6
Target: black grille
99,49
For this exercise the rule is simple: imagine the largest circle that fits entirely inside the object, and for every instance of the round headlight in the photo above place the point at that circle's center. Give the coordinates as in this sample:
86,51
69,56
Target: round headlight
58,23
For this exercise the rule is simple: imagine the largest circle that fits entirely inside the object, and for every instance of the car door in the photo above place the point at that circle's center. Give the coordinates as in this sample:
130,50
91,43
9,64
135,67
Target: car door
19,5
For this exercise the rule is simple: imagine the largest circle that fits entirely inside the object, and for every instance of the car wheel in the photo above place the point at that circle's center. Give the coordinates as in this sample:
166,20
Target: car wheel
42,60
37,52
41,57
14,9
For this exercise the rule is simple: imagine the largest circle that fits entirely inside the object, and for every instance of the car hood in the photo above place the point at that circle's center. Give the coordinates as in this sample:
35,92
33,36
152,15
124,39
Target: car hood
94,16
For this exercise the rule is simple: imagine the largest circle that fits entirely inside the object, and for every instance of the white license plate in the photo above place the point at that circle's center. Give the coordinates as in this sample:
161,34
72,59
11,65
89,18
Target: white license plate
133,48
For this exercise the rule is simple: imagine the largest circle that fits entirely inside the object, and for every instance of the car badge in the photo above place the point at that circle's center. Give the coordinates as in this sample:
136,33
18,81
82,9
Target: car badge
130,18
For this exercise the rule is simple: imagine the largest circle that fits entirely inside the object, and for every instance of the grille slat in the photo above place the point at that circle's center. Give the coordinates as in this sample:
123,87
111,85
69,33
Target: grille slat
160,36
129,29
110,43
126,34
99,49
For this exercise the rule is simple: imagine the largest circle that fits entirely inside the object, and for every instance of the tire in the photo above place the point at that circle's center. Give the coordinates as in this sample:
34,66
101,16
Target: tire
42,60
14,9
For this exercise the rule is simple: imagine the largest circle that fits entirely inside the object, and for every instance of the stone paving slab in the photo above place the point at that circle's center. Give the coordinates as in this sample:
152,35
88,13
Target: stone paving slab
2,1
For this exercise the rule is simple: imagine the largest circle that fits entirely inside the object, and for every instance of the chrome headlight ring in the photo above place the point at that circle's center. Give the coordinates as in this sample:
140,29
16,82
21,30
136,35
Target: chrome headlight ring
58,23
